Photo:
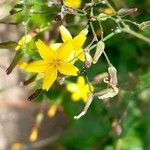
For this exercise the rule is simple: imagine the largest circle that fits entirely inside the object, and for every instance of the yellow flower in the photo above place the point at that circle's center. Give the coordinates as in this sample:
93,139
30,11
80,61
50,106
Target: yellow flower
72,3
53,61
34,134
16,146
108,11
52,110
77,41
24,40
79,90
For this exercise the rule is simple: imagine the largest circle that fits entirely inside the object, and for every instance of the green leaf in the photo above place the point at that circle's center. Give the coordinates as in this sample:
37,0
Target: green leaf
8,44
17,8
17,58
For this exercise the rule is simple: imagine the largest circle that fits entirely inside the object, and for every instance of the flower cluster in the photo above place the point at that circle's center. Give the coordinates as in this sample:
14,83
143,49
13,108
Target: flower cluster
57,58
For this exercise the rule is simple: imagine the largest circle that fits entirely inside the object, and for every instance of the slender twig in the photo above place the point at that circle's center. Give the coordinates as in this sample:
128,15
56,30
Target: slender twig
138,35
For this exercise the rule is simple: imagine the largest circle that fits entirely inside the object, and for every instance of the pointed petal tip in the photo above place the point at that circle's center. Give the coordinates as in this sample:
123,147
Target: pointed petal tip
85,31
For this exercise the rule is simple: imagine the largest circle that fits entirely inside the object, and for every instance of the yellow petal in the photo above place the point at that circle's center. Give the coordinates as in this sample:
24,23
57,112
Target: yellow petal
73,3
64,50
65,34
76,96
22,65
81,81
55,46
80,54
50,77
24,40
71,87
79,40
37,66
68,69
44,51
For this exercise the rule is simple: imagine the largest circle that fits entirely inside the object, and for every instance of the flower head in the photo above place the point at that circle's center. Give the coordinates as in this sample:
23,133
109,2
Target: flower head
54,60
72,3
79,90
78,41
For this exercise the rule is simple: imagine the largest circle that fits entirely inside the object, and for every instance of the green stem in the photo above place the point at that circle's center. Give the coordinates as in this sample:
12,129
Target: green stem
138,35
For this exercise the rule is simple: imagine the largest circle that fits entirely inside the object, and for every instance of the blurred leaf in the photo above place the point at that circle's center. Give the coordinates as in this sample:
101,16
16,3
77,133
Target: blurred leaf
17,8
15,61
8,44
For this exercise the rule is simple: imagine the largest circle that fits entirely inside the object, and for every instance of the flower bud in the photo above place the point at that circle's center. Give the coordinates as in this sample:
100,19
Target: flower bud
88,60
127,12
99,50
107,93
89,101
116,127
102,17
99,78
113,76
144,25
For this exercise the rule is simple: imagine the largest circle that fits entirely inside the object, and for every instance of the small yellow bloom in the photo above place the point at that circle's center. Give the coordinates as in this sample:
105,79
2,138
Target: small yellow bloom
16,146
79,90
108,11
24,40
34,134
52,110
72,3
78,41
53,61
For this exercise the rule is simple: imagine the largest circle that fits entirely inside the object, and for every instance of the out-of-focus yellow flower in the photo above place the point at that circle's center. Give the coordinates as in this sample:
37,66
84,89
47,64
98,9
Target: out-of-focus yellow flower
52,110
24,40
34,134
79,90
53,61
108,11
77,41
72,3
16,146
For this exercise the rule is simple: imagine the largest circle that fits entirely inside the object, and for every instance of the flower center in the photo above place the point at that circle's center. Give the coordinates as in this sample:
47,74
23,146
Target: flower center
56,62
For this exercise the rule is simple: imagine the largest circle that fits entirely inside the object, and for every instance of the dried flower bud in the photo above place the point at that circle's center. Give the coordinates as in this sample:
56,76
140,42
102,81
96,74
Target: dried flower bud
89,101
99,50
144,25
116,127
107,93
113,76
99,78
88,60
127,11
102,17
